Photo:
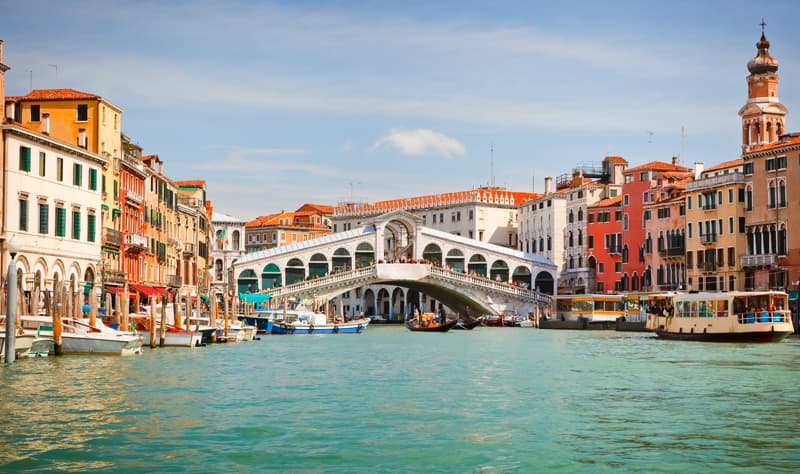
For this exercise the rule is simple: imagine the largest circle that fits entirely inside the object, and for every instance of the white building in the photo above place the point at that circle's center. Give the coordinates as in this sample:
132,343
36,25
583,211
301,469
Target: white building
227,247
52,207
542,222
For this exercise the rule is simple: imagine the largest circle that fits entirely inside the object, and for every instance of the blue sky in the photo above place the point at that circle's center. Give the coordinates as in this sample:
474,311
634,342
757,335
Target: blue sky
276,104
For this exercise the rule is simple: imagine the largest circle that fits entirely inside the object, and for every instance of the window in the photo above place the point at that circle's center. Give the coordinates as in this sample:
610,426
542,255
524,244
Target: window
83,113
60,169
625,200
61,222
688,202
748,168
741,225
689,230
91,227
44,211
689,259
103,189
591,242
23,215
590,218
76,225
618,267
601,267
731,258
42,163
36,113
470,214
730,225
24,158
730,195
617,216
116,190
77,174
93,179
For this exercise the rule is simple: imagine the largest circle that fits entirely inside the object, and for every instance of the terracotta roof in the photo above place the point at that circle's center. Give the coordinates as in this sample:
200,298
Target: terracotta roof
192,183
617,159
656,166
58,94
150,157
274,220
316,207
602,203
485,195
792,141
725,164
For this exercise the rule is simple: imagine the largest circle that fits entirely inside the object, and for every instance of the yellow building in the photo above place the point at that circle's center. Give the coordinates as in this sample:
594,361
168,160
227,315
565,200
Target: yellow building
715,228
195,231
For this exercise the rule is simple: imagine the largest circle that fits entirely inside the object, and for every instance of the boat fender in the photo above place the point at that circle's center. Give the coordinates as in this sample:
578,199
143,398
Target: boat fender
336,329
20,332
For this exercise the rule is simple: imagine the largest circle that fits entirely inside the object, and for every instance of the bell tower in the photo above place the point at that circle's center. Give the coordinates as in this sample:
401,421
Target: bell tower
763,115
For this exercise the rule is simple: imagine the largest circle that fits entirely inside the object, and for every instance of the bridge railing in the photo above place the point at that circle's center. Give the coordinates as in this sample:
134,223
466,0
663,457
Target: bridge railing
488,283
326,281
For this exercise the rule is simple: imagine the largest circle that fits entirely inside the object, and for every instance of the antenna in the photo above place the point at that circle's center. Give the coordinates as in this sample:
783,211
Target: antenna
683,139
491,165
55,66
30,79
650,136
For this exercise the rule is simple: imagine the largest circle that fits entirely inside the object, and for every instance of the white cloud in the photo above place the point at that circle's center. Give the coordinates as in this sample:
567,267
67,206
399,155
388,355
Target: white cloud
348,145
420,142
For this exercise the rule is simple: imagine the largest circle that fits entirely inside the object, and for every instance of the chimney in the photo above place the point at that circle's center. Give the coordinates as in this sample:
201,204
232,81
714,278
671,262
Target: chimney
82,138
698,169
675,160
46,123
548,185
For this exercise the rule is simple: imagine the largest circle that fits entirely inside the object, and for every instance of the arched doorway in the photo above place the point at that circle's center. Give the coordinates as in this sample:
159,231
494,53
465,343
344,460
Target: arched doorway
432,254
365,255
271,276
318,265
247,282
522,276
383,303
295,271
398,304
544,283
477,265
369,302
455,259
499,271
341,260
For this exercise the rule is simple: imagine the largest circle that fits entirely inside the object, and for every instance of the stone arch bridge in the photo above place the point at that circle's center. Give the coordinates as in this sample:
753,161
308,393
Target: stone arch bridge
396,250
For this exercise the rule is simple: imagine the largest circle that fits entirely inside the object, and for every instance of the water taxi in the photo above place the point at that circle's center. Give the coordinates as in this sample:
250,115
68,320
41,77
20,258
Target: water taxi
736,316
586,311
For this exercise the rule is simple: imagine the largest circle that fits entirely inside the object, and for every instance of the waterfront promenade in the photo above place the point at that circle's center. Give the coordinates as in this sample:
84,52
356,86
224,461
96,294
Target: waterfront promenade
489,400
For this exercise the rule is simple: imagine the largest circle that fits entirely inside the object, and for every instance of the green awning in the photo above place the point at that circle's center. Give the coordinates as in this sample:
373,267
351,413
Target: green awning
254,297
104,206
116,211
203,297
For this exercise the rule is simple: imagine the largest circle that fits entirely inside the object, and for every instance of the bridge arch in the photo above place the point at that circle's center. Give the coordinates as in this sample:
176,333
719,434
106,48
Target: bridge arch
545,283
295,271
318,265
477,265
271,276
365,254
247,281
455,259
433,254
499,271
341,260
522,276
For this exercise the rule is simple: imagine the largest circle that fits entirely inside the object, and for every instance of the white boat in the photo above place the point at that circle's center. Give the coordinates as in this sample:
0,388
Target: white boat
735,316
78,337
173,337
22,342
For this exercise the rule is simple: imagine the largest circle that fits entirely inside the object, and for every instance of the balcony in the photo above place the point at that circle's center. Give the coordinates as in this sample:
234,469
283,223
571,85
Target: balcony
708,239
191,202
672,251
115,277
709,266
112,237
188,250
135,242
174,281
767,260
715,181
133,197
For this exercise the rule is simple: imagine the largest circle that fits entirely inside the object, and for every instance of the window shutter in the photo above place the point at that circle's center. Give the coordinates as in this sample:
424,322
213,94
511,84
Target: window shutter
61,222
76,225
91,228
24,158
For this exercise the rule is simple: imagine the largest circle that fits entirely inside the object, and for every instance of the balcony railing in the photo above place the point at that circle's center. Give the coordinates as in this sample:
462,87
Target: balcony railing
135,242
133,196
672,251
188,249
112,237
708,238
115,277
709,266
715,181
615,250
767,260
174,281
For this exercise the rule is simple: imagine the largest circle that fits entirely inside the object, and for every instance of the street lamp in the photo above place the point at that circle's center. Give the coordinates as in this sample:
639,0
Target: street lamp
11,302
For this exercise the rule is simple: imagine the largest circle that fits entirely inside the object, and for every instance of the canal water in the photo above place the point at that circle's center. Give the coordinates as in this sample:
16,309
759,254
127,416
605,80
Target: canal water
489,400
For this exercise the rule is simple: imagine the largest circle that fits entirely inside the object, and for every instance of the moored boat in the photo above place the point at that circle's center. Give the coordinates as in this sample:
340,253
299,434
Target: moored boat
173,336
736,316
429,322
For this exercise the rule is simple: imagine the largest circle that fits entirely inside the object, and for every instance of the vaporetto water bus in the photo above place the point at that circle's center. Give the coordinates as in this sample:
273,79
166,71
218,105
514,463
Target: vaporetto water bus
736,316
586,311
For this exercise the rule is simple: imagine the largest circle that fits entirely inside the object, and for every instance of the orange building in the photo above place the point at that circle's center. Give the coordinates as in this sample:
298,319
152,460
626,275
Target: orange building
310,221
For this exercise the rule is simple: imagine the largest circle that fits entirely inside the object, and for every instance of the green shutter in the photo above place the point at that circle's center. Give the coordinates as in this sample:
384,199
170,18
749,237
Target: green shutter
61,222
60,169
93,179
44,211
24,158
76,225
104,184
23,215
116,190
77,174
91,228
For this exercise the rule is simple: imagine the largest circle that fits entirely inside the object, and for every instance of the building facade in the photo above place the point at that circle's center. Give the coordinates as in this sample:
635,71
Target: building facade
228,247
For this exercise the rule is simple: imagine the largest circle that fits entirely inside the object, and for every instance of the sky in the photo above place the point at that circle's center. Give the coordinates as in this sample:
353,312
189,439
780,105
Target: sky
277,104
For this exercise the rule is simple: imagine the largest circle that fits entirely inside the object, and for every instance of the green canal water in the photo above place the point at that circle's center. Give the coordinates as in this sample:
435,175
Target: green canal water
489,400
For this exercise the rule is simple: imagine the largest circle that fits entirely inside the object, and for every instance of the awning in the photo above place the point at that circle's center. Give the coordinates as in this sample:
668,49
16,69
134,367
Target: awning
149,290
255,297
104,206
117,289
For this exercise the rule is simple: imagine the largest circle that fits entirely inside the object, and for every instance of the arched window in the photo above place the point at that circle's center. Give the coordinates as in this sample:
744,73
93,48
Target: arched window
781,193
571,217
580,237
580,215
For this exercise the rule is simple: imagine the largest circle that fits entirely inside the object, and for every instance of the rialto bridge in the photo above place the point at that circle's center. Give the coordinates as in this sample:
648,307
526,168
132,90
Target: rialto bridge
393,265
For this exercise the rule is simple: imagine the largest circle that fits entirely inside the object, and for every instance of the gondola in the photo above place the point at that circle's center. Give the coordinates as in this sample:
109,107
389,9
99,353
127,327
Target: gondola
431,326
467,325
